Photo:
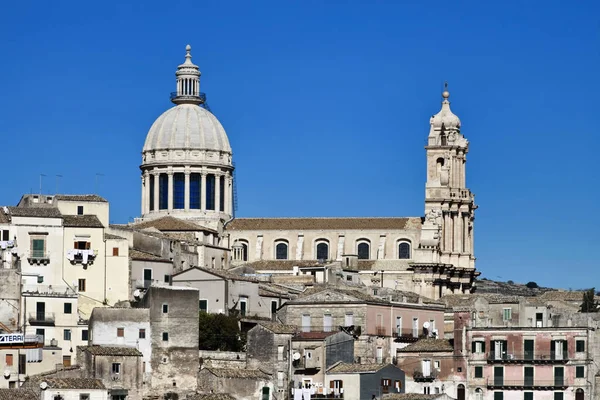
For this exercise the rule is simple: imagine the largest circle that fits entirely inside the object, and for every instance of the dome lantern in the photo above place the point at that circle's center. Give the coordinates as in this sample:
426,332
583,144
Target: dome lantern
188,82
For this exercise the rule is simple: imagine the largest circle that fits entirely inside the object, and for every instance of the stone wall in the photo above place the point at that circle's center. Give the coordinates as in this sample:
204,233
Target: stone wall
222,359
10,292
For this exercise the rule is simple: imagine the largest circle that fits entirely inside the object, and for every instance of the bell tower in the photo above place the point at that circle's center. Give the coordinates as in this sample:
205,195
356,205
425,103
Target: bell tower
449,205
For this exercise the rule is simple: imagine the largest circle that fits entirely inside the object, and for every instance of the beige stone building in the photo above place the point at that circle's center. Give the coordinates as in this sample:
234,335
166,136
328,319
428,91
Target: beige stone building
187,173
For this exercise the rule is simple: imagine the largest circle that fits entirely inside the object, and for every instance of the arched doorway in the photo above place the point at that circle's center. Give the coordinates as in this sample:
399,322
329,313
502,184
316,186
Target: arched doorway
579,394
460,392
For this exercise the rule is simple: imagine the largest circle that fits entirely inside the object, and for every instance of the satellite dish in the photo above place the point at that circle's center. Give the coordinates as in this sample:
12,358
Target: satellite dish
6,374
43,385
296,356
137,293
426,325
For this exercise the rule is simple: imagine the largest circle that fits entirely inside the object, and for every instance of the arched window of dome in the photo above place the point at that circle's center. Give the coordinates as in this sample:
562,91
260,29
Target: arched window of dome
322,249
222,191
179,191
404,249
163,192
195,191
151,192
281,249
363,249
478,394
210,192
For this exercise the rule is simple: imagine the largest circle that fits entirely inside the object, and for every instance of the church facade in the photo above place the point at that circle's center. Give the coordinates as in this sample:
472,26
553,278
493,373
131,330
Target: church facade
187,173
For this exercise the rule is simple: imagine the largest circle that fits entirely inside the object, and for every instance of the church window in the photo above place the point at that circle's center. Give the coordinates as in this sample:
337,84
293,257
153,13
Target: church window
163,192
222,198
363,250
195,191
243,252
151,193
281,251
210,192
322,250
178,191
404,250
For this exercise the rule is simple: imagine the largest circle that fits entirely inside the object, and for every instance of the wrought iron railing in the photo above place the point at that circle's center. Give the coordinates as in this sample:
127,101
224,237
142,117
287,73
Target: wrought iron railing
48,290
527,383
561,356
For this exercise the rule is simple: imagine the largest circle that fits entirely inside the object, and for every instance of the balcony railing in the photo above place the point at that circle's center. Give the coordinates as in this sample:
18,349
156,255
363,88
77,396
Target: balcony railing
38,257
460,193
48,290
419,376
410,335
380,330
41,318
533,357
78,256
527,383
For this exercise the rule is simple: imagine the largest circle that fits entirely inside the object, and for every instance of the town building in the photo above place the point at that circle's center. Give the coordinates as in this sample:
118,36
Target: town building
364,381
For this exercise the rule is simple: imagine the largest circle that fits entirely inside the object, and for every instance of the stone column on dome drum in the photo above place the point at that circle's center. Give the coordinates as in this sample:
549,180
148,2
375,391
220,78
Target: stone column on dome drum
146,206
170,190
217,192
156,190
186,205
203,191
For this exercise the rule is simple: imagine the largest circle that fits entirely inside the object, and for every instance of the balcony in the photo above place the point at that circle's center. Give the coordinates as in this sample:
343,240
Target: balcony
380,330
41,318
530,384
48,291
460,194
38,257
406,335
419,376
550,357
84,257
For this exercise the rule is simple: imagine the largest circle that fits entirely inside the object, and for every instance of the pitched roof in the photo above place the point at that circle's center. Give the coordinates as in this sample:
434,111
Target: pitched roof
4,218
81,197
258,224
279,328
82,221
143,256
169,223
235,373
43,212
563,295
18,394
282,265
360,296
110,236
211,396
429,344
221,273
344,368
70,383
111,351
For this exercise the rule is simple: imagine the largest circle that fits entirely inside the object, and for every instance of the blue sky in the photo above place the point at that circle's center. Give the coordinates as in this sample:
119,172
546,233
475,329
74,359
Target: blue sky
326,105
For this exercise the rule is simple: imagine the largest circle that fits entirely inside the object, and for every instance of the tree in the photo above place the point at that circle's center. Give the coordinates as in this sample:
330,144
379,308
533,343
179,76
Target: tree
532,285
219,332
589,303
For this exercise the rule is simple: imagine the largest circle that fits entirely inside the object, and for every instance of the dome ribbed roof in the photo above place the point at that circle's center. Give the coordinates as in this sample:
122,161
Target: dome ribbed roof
189,127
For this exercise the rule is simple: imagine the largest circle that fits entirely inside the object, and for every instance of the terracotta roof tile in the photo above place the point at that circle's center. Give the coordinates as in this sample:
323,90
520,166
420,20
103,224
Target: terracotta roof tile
222,274
143,256
111,351
110,236
43,212
4,218
343,368
82,221
18,394
428,344
81,197
261,224
279,328
66,383
211,396
282,265
234,373
169,223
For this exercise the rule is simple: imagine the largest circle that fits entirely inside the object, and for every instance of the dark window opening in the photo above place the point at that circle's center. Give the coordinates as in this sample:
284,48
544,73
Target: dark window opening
195,183
151,193
179,191
281,251
79,210
404,251
363,251
322,251
222,198
163,192
210,192
68,308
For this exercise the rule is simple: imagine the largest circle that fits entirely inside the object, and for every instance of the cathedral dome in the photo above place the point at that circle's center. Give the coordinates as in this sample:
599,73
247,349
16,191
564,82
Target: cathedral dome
187,127
445,118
